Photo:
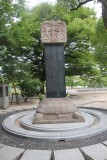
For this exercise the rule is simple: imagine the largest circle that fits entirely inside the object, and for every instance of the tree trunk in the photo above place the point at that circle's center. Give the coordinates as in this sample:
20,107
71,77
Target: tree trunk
42,89
104,3
25,99
16,95
104,15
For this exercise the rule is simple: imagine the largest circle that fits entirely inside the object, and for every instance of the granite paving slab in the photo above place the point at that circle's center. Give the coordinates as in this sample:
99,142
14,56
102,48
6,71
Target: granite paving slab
36,155
69,154
10,153
1,145
95,152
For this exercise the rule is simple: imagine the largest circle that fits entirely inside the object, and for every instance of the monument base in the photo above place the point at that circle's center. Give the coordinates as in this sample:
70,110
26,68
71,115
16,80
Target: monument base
57,110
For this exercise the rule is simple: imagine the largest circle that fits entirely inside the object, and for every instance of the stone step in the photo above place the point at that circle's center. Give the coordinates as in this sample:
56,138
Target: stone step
69,154
36,155
1,145
95,152
10,153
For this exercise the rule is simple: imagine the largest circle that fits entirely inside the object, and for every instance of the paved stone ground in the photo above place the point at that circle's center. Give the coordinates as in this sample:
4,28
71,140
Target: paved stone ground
93,152
97,99
26,143
22,106
87,99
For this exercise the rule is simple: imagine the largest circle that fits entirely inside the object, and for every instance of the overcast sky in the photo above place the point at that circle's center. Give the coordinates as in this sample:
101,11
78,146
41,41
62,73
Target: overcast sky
35,2
96,6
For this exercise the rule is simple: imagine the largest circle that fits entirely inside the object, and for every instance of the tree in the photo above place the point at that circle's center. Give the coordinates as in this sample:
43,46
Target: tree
74,81
27,48
79,57
14,69
6,15
78,53
75,4
10,13
35,54
13,37
104,14
100,45
92,78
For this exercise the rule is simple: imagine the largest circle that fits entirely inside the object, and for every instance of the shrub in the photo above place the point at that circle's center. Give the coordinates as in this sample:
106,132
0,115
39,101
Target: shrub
30,88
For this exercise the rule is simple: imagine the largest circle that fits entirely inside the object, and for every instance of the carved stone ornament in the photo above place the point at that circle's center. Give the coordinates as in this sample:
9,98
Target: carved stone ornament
53,32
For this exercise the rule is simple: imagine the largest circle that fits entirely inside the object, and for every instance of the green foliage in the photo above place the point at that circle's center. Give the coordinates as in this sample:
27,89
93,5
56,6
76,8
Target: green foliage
97,82
23,56
84,80
9,13
6,15
42,12
16,39
99,40
18,91
14,68
69,4
41,96
30,87
73,81
79,57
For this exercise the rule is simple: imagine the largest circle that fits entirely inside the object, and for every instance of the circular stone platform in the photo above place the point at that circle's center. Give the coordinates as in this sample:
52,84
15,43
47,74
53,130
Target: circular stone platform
21,124
26,122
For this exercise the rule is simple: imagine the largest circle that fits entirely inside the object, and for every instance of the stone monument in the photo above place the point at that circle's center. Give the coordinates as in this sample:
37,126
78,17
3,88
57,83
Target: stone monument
53,36
55,108
4,99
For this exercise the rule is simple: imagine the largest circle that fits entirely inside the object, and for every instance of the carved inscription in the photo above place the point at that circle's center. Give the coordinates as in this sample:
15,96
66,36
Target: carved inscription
53,32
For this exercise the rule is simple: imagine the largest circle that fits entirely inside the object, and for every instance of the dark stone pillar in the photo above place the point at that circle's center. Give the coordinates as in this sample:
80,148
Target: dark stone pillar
55,71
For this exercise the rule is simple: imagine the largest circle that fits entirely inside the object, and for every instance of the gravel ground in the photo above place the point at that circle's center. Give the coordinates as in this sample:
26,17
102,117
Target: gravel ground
26,143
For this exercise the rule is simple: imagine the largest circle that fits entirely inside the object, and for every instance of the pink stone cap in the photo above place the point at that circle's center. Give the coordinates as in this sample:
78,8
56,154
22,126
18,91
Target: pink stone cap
53,32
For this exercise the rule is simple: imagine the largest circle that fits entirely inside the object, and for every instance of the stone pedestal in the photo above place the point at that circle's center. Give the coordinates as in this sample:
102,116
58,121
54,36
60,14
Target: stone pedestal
4,99
57,110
